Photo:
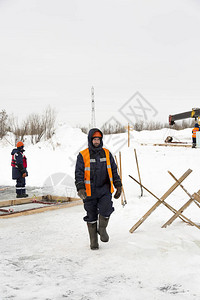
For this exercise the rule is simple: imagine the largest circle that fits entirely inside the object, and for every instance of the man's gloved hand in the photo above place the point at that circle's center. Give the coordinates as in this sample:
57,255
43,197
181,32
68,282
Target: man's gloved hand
24,175
118,192
82,194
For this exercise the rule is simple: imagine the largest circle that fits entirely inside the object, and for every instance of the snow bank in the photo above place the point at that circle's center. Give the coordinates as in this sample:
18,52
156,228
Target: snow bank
47,256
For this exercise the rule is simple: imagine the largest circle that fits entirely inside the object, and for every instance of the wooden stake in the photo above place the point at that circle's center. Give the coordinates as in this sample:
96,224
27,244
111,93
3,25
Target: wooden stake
128,135
197,196
123,201
177,214
161,200
184,188
138,172
120,170
192,198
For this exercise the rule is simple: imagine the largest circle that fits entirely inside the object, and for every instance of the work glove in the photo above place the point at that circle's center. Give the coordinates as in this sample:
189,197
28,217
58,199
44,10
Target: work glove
24,175
118,192
82,194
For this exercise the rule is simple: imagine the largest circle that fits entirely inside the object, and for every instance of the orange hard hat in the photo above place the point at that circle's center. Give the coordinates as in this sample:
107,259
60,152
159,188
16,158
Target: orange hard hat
20,144
97,134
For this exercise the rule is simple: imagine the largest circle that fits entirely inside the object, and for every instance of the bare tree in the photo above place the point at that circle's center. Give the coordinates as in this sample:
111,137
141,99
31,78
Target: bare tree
139,126
41,126
84,129
36,126
49,119
3,123
109,128
19,130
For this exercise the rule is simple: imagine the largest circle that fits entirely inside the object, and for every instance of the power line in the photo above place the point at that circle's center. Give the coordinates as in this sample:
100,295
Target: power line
93,120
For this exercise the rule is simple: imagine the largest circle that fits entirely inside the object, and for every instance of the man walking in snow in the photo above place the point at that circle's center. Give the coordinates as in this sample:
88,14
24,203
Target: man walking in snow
194,131
19,172
95,178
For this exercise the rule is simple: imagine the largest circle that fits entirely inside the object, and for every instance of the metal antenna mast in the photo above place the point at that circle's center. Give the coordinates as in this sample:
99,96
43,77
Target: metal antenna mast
93,121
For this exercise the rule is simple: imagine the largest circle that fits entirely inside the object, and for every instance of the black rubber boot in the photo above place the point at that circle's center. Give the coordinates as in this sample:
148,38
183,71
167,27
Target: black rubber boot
21,195
24,195
103,223
92,228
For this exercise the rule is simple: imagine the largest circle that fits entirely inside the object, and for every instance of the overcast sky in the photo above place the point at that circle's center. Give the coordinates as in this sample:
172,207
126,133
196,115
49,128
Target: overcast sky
145,52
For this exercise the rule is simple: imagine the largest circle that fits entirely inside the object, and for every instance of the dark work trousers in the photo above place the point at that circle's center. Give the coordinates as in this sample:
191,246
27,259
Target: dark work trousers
99,203
20,186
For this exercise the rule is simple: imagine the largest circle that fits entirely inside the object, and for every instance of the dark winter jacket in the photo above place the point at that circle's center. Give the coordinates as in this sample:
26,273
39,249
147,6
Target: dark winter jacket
18,163
98,168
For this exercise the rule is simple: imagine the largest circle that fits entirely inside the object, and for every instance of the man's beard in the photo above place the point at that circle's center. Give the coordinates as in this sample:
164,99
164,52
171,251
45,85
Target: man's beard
96,145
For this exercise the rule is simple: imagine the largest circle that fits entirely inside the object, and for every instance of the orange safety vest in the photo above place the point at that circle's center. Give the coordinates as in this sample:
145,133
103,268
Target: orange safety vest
194,132
86,158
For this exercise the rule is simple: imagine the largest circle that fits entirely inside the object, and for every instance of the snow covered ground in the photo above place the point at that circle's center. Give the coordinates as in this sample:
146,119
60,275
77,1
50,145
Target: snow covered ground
47,255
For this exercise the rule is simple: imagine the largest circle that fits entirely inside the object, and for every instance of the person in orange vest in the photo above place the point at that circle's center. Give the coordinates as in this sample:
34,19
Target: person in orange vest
19,171
194,131
96,177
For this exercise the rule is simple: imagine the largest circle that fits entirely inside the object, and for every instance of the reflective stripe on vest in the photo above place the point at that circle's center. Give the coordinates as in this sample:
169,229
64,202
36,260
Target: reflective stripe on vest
194,132
86,158
13,161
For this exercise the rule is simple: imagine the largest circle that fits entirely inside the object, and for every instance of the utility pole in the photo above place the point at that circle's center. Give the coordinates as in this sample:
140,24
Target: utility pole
93,121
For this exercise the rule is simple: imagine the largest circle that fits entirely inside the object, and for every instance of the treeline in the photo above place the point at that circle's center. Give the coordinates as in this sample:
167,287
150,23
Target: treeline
142,125
41,126
37,126
152,125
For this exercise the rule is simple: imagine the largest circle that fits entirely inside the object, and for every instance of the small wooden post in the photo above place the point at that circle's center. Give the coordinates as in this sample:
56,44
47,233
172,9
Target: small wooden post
123,200
138,172
128,135
129,128
120,166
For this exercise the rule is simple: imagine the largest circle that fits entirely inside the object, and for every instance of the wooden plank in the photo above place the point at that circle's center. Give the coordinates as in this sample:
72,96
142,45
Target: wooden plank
177,214
197,196
173,145
5,188
149,212
59,198
19,201
168,145
195,201
41,209
182,217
